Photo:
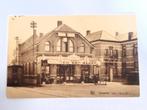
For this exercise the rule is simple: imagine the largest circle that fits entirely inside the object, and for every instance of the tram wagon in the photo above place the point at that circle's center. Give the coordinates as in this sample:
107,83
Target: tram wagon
15,74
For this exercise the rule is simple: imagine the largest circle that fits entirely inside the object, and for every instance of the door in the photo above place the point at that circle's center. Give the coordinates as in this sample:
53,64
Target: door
66,72
111,74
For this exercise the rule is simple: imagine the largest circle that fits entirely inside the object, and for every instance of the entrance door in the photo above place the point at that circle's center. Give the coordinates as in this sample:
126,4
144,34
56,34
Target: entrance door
85,73
66,72
111,74
109,71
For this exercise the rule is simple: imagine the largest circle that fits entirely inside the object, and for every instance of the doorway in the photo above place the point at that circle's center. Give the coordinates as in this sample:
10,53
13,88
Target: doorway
109,71
66,72
111,74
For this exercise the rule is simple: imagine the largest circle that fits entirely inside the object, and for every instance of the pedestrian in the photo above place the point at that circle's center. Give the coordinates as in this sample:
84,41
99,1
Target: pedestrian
95,79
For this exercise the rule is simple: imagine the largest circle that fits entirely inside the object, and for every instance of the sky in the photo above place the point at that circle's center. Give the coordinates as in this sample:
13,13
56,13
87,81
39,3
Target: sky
20,26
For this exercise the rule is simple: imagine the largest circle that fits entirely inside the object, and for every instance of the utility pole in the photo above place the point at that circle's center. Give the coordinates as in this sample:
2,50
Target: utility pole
33,25
17,50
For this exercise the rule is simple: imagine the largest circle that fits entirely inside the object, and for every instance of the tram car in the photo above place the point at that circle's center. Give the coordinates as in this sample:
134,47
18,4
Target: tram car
15,74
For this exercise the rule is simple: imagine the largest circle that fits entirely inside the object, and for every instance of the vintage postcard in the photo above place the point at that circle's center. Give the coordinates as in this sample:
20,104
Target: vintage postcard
72,56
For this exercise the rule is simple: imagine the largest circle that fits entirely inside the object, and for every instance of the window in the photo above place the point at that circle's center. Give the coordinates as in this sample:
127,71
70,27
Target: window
115,53
111,51
64,45
136,65
61,34
135,50
124,51
47,46
70,46
70,34
81,48
59,45
106,52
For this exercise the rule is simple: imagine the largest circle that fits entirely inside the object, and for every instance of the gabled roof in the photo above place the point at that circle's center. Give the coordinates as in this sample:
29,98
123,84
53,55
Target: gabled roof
100,35
61,28
64,28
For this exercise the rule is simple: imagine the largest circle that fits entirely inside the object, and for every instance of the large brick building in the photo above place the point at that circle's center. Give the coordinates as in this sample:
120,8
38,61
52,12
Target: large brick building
118,54
65,54
60,54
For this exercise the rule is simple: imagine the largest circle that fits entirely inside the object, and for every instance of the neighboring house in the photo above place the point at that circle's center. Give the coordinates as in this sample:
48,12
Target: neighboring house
118,54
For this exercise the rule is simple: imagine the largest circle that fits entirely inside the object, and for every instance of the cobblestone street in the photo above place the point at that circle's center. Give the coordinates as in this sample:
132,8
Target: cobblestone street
112,89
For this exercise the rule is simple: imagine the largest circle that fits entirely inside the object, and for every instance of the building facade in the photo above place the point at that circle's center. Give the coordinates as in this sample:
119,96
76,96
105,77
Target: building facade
65,55
118,54
62,54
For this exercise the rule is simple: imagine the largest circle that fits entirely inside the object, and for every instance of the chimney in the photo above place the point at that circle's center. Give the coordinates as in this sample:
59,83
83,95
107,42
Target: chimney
116,33
59,23
41,34
130,35
87,32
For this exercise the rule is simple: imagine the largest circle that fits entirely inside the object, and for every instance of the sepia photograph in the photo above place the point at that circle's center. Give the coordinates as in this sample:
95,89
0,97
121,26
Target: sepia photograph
72,56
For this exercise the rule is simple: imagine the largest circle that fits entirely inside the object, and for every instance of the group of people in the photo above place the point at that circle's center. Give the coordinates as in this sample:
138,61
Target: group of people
96,79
